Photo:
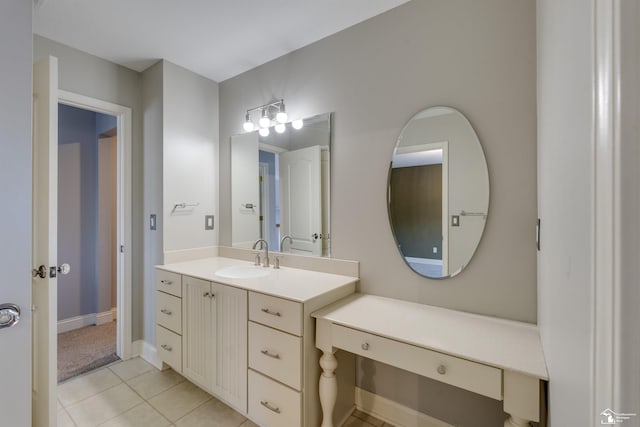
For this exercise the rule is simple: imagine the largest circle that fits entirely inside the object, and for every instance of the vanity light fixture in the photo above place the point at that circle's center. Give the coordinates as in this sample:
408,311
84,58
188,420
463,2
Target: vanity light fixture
264,131
280,127
274,111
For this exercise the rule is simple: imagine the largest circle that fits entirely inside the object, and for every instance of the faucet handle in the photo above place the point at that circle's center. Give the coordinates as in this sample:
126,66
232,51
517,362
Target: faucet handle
276,264
257,259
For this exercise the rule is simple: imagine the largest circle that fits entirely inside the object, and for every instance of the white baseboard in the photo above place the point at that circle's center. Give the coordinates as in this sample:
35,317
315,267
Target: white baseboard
77,322
104,317
146,351
392,412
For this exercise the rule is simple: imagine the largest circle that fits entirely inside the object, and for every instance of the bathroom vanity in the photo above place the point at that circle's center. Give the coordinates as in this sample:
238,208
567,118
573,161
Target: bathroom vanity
497,358
246,334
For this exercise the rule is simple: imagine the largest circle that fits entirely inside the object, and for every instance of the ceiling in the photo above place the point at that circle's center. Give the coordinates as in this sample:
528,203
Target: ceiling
218,39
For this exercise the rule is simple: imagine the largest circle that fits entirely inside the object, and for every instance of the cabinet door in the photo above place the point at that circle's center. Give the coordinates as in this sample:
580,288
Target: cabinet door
230,314
198,333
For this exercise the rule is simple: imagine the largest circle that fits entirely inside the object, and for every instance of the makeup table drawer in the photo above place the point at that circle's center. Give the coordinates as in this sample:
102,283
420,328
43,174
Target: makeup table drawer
476,377
169,312
169,282
276,354
276,312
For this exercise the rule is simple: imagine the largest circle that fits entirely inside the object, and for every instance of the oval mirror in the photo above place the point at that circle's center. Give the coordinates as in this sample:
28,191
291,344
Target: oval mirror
438,193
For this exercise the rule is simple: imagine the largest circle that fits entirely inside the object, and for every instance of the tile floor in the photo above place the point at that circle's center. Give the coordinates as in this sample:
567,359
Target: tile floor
134,393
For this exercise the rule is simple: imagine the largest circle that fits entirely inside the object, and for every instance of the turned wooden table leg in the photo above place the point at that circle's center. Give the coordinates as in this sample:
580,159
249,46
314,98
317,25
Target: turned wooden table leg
328,387
513,421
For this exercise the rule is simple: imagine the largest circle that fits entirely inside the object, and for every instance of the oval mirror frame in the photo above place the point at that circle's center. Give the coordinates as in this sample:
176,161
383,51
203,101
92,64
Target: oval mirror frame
438,192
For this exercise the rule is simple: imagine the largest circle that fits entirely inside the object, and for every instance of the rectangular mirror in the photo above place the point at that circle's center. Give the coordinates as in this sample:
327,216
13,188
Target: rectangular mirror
280,187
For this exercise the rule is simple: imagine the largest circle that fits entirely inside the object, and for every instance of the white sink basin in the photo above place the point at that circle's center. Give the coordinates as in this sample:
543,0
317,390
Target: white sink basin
242,272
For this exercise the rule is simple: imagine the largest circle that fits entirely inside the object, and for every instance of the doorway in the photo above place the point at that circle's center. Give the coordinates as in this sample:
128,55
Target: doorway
87,240
94,182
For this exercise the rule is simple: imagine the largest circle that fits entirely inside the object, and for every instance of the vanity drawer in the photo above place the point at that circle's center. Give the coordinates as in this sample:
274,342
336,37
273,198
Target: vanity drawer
169,347
272,404
169,312
276,312
472,376
276,354
169,282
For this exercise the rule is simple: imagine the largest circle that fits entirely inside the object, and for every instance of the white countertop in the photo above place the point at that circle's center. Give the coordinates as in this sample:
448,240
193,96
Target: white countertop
497,342
289,283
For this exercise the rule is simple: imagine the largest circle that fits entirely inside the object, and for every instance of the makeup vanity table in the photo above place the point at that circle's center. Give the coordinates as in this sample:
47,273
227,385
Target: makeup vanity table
497,358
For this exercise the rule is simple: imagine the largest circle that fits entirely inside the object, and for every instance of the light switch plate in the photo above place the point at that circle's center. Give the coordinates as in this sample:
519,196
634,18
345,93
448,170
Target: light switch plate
455,220
208,222
152,222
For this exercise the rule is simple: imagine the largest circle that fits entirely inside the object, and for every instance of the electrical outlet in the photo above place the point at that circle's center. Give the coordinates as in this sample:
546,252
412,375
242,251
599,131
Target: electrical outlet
208,222
455,220
435,249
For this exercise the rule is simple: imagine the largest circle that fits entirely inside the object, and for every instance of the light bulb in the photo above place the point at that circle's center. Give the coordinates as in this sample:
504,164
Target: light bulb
248,124
297,124
264,119
264,131
281,117
280,127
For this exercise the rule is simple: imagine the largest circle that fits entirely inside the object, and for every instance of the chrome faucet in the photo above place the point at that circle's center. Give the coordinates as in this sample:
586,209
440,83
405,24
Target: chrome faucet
285,237
266,250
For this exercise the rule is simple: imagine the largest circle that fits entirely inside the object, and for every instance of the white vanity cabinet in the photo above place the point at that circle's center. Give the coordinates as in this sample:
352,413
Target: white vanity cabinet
249,342
214,339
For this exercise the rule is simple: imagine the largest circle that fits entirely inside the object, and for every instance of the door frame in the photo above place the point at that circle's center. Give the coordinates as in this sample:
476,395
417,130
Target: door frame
124,209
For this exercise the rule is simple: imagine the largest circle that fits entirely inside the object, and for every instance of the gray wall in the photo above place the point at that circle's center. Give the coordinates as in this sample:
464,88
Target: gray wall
15,215
89,75
478,57
152,101
180,165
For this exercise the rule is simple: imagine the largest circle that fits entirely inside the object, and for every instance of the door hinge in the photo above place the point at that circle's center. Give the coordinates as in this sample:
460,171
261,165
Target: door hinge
538,234
121,249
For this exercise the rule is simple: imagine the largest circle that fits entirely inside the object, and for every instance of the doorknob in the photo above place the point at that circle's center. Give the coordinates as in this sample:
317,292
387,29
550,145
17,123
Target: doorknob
9,315
63,269
316,236
40,272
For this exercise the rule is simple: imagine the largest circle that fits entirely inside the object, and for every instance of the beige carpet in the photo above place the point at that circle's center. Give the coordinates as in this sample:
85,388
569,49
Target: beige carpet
85,349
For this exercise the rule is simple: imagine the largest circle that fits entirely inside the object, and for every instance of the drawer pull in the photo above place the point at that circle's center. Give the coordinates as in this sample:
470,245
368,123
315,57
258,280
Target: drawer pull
270,407
267,353
442,369
166,311
365,346
166,282
273,313
166,347
206,294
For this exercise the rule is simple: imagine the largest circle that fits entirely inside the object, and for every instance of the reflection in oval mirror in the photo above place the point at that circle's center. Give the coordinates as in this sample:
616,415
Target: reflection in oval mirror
438,195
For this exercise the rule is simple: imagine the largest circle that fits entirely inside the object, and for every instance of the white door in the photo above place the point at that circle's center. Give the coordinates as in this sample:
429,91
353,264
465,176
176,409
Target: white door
44,291
301,193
